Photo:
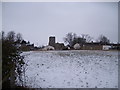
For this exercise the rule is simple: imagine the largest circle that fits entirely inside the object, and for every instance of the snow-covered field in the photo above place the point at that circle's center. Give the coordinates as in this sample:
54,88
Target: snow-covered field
71,69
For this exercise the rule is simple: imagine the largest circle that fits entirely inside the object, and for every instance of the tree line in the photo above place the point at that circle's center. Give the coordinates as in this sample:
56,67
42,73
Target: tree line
71,39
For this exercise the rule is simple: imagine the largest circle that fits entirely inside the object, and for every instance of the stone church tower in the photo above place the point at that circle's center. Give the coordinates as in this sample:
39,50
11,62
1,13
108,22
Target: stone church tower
52,41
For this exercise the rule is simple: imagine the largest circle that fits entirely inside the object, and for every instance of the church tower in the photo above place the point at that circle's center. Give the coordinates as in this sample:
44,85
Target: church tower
52,41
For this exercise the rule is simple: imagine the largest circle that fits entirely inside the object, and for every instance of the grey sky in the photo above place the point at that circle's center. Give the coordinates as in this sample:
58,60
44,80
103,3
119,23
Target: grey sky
38,21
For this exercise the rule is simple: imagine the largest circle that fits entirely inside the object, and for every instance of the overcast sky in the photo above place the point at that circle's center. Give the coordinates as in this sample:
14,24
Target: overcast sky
37,21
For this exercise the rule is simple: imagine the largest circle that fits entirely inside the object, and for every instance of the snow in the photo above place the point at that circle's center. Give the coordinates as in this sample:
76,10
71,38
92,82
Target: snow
71,69
48,48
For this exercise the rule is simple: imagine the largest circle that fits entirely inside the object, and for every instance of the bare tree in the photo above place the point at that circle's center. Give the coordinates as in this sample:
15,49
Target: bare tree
103,39
19,37
87,37
3,35
69,38
79,40
11,36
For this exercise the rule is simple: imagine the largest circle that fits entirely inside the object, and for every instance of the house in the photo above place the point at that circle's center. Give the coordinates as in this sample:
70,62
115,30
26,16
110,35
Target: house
59,46
106,47
26,46
91,46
